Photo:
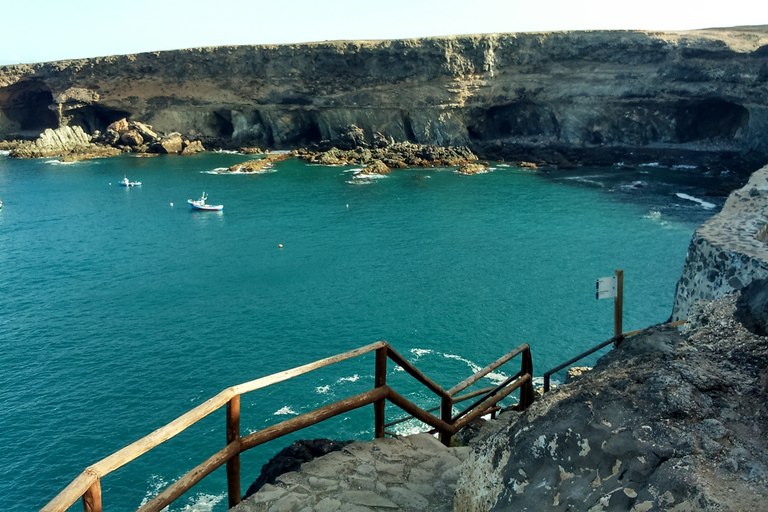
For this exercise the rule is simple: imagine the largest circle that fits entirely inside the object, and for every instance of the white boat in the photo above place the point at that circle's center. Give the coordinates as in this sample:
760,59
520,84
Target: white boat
125,182
200,204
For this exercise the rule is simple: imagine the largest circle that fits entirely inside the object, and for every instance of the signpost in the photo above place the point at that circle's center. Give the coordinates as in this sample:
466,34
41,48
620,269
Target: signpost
613,287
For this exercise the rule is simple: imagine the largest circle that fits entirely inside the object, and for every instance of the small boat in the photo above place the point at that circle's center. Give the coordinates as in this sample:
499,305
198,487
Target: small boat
200,204
1,204
127,183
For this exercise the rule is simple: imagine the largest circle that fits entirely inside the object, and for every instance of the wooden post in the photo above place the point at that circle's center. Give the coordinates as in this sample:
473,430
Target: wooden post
446,414
526,392
380,380
92,497
618,303
233,464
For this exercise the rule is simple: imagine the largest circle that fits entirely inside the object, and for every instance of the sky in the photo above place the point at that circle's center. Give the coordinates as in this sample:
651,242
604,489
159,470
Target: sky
44,30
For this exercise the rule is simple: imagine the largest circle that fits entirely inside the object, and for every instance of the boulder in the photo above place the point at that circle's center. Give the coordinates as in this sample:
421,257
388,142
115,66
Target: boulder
110,137
752,307
131,138
192,147
377,167
380,141
145,131
171,144
351,137
119,126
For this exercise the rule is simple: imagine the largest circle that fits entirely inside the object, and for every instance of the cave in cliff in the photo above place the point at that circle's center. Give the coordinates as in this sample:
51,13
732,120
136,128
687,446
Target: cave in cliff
95,117
26,105
710,120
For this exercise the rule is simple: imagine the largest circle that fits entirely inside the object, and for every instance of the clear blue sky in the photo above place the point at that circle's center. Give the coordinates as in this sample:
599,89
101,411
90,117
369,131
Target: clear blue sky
44,30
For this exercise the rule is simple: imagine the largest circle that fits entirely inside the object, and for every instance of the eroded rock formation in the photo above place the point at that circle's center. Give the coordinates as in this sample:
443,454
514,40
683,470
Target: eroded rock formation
563,97
727,252
667,421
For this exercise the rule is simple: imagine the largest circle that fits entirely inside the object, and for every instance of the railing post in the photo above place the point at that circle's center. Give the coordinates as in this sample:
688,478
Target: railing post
233,464
526,391
380,380
446,413
92,497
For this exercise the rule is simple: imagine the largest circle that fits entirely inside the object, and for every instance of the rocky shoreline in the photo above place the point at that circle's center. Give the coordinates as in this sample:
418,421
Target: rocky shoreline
555,99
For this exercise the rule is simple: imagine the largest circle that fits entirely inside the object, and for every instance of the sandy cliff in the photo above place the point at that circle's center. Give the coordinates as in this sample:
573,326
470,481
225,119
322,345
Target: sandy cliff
559,97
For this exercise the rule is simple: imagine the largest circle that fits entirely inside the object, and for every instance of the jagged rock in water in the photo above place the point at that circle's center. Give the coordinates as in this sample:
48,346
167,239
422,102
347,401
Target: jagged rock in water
59,142
190,148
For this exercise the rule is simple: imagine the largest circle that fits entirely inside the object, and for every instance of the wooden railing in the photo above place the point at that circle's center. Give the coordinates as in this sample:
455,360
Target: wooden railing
88,484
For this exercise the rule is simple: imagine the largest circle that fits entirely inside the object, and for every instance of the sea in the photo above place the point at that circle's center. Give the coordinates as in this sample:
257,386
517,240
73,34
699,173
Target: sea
121,308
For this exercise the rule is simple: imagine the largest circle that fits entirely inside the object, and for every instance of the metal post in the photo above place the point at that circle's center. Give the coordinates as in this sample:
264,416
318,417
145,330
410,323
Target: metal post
618,303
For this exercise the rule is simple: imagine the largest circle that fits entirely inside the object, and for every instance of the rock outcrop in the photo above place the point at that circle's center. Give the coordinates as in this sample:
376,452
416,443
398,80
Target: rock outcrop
729,250
560,98
667,421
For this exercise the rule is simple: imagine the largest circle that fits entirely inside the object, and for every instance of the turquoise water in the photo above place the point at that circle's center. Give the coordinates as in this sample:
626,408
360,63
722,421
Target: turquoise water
121,308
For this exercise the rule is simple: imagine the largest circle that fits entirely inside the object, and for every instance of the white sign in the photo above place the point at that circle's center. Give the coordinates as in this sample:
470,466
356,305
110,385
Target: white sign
606,288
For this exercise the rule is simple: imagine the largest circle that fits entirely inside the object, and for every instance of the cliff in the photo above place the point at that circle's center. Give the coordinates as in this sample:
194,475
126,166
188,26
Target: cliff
729,250
557,97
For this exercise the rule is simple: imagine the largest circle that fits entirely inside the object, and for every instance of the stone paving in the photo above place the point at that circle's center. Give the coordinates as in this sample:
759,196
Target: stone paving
411,474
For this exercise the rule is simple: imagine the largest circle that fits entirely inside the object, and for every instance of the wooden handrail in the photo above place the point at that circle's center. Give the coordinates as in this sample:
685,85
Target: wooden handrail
488,369
88,486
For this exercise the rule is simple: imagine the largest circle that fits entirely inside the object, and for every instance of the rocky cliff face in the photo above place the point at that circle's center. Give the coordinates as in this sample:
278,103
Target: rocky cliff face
667,421
558,97
728,251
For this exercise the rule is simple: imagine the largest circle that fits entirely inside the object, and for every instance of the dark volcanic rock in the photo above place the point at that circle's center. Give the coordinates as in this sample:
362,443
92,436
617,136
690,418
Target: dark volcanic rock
291,459
752,307
666,421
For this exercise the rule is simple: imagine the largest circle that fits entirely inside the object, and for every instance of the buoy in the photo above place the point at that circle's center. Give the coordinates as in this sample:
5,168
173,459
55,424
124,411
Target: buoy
279,246
347,206
171,204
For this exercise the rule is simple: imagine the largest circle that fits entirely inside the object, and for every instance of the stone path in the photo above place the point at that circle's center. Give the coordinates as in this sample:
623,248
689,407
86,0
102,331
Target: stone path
411,474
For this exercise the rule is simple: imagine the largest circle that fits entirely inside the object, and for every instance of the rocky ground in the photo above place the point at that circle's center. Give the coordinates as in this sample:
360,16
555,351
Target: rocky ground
667,421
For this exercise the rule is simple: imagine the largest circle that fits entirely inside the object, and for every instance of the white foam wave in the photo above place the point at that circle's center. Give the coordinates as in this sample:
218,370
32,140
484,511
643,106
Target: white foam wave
59,162
495,377
202,503
322,389
410,427
227,151
684,166
353,378
503,165
590,180
653,215
651,164
368,176
155,484
4,152
354,170
703,203
285,411
634,185
418,352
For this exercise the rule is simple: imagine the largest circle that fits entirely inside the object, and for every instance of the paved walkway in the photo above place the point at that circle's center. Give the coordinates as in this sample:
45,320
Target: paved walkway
410,474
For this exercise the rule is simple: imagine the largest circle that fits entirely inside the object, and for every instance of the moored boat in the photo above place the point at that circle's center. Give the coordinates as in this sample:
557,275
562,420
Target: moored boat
125,182
200,204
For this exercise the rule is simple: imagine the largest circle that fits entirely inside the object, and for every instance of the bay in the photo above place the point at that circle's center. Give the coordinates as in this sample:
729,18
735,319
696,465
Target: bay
121,308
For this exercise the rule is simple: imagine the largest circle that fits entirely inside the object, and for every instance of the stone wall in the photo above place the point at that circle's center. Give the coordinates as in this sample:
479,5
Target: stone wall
726,252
